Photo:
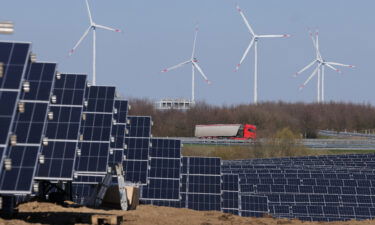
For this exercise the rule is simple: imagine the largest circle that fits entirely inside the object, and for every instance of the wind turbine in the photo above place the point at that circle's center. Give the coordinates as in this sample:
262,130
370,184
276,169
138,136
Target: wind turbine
254,41
194,65
320,67
93,26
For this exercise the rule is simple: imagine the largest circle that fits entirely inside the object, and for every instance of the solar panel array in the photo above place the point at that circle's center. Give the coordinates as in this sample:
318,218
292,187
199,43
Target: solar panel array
116,154
28,128
164,171
14,59
57,127
63,128
136,154
315,188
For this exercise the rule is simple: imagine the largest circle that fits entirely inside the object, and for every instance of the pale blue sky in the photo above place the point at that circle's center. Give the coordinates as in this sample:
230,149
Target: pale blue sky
159,33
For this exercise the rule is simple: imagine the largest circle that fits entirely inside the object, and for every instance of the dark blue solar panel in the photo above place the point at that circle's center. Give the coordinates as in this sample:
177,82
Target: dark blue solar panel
96,123
28,128
164,171
100,99
136,160
122,107
63,129
139,126
253,204
118,132
203,183
230,193
13,59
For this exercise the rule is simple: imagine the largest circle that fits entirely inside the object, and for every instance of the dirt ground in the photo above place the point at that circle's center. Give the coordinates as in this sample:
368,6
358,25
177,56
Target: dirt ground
48,213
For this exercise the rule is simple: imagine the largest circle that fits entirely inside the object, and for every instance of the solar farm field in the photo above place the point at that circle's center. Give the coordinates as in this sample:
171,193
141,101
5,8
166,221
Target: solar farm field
62,138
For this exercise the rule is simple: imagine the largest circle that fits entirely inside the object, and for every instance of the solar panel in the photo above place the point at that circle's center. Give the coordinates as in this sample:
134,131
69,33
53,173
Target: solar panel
230,193
95,130
28,127
118,132
164,171
63,128
136,160
13,62
253,205
203,183
139,126
136,154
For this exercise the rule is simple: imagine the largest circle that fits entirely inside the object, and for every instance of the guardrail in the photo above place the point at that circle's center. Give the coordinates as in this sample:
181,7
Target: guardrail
339,144
330,133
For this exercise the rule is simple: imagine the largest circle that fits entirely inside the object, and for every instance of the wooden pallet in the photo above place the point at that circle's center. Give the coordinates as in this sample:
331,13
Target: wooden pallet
106,219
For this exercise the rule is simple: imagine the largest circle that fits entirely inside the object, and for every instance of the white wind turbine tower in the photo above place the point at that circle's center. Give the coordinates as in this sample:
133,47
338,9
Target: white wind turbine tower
319,70
254,41
93,26
194,65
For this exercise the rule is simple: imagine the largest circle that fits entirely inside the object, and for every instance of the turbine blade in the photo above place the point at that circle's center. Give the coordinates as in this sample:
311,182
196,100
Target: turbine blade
316,47
201,72
333,68
340,64
317,39
107,28
195,40
245,20
79,41
245,54
176,66
274,36
310,77
89,12
305,68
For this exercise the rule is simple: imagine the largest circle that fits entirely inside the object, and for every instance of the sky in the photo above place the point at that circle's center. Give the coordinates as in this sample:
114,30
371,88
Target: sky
159,33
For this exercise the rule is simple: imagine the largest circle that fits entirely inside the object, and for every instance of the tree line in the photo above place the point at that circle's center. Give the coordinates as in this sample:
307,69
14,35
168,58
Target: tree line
269,117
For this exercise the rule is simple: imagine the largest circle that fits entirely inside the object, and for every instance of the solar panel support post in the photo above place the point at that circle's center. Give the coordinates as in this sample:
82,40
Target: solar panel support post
121,186
56,192
96,198
7,206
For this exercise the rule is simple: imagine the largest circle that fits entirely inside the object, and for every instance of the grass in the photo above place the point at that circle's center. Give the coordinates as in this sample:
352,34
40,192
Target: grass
338,151
260,151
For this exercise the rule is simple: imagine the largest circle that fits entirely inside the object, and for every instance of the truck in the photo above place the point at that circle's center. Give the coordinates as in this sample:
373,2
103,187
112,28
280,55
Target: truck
226,131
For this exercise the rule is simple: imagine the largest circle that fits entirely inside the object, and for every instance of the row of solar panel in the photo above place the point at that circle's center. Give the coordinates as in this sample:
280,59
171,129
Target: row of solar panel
78,129
55,125
87,131
326,190
310,182
279,174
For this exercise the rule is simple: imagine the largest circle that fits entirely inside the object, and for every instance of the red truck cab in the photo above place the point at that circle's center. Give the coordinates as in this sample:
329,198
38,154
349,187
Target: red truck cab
247,131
